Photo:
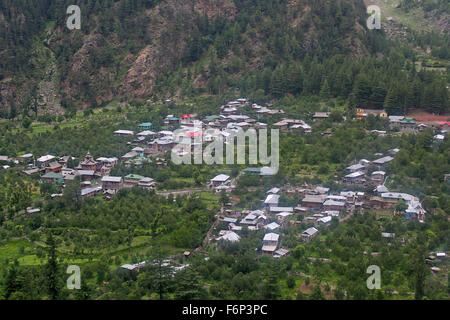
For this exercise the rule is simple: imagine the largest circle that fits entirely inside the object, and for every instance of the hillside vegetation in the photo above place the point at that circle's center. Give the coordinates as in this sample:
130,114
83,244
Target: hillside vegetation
131,49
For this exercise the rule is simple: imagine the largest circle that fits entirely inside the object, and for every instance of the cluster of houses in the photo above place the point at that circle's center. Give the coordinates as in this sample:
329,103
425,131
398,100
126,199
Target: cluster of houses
358,173
94,174
167,263
318,207
382,199
410,125
271,218
293,125
188,130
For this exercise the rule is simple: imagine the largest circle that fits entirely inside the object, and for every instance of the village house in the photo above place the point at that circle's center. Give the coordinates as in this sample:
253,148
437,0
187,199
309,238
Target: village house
322,190
26,158
53,167
320,116
63,160
255,219
229,236
309,233
147,183
332,205
300,210
408,125
5,159
327,133
52,177
355,178
110,183
272,226
90,192
355,168
86,175
394,121
162,145
331,213
336,198
283,216
272,200
280,253
125,133
380,190
105,165
221,179
378,177
387,235
44,160
133,179
69,174
31,171
30,210
349,195
421,127
273,191
382,161
129,155
313,202
281,125
415,211
323,221
146,133
394,151
276,210
300,126
145,126
270,243
364,113
85,184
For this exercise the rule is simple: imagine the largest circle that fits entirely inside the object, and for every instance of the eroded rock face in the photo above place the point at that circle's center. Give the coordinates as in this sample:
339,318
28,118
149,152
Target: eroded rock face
168,46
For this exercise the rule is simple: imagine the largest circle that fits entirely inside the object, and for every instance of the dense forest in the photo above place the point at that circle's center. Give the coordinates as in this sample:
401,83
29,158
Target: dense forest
148,49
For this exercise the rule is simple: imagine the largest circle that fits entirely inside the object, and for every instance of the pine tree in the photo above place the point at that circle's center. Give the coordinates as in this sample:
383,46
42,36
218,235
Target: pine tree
325,90
391,103
189,286
419,273
52,269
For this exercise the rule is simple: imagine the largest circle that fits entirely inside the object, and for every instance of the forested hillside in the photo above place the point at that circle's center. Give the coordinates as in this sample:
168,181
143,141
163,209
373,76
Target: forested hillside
150,49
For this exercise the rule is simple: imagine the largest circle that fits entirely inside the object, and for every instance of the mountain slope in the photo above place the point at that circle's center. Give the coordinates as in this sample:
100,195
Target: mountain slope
127,47
151,49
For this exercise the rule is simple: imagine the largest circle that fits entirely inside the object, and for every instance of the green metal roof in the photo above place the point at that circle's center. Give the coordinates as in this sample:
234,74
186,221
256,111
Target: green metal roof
211,118
145,124
134,176
408,120
52,175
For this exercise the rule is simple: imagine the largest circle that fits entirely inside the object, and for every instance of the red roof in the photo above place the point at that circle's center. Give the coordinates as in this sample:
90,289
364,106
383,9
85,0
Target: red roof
184,116
445,123
195,134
